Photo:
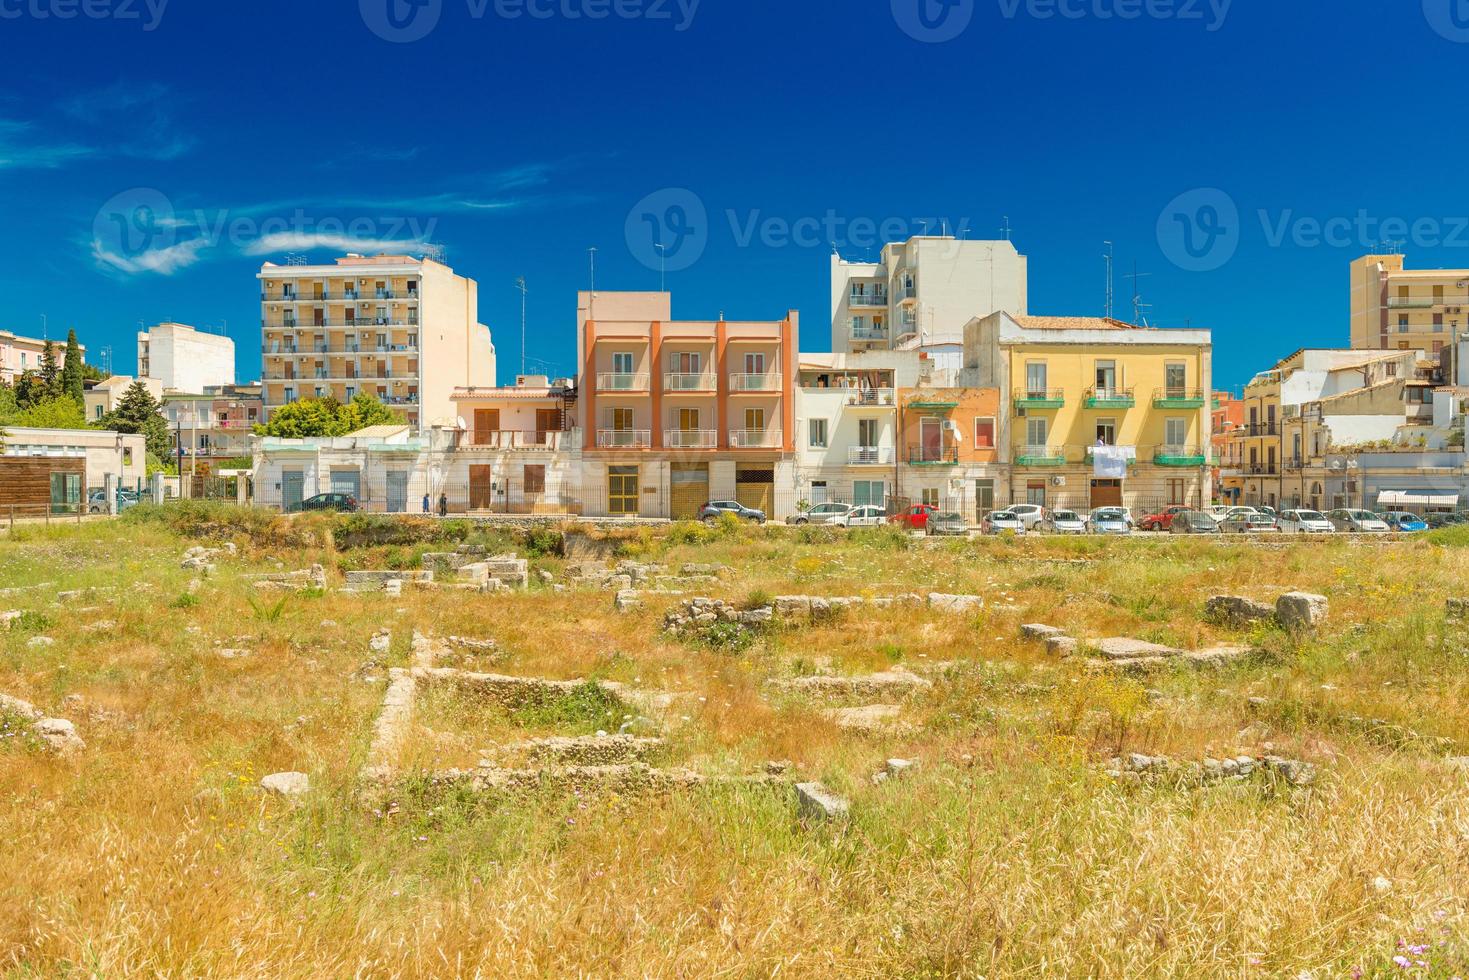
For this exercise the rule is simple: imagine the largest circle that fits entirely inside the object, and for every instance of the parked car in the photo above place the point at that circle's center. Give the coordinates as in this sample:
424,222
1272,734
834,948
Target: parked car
826,513
715,509
1237,510
1268,511
1217,511
1251,523
868,515
328,501
1161,520
1193,522
1004,520
1360,521
914,517
1063,522
1110,520
1304,522
947,522
1401,521
1031,514
1443,520
97,501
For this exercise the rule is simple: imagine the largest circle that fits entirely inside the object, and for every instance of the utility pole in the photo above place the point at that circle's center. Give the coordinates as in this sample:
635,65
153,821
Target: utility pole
520,285
1107,305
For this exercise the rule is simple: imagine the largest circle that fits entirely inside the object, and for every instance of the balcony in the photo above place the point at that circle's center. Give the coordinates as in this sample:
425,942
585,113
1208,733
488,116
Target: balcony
754,438
933,455
867,331
1109,398
906,293
1178,398
1040,456
1039,397
932,404
1416,302
868,299
872,397
870,455
613,381
1181,456
688,382
690,438
1089,457
1256,429
1293,463
624,438
399,399
519,440
755,383
351,321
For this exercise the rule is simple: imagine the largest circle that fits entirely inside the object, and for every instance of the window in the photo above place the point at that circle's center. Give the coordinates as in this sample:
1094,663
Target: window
984,433
1391,369
1035,492
1176,491
817,433
868,492
99,411
984,496
1035,378
1175,431
622,489
686,362
622,362
1175,379
1403,325
1438,323
754,363
755,420
1035,432
621,419
535,478
1107,432
867,433
1106,375
931,496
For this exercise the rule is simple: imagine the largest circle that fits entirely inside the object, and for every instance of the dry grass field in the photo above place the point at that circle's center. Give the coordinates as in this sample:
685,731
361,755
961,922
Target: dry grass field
1008,850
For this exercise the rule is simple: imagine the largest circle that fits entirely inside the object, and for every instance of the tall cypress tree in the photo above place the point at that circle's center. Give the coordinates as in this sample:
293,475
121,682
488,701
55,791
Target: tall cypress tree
71,369
50,374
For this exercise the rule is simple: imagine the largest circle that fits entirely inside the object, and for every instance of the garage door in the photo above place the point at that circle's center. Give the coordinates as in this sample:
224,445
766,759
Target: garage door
348,482
293,484
755,488
1106,493
397,491
690,489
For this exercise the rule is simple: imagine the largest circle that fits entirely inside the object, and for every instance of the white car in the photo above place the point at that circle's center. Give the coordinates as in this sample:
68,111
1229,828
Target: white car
1003,520
1217,511
1110,520
868,515
1063,522
1031,514
1305,522
826,513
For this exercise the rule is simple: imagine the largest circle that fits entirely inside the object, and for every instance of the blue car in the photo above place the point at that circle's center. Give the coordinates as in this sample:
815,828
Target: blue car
1400,521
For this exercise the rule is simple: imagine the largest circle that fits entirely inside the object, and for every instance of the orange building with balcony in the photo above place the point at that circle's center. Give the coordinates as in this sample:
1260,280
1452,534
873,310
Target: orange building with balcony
678,412
948,448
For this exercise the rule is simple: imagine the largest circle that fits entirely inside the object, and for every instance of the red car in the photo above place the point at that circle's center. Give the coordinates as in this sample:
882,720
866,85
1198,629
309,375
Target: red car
915,517
1161,521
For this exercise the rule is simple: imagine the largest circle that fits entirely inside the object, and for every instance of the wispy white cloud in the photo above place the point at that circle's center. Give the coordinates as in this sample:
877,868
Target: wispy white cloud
136,119
21,150
160,261
306,241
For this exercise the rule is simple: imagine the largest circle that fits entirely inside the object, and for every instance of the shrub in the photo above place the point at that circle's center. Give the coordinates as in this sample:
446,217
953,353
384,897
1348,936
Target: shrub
185,600
884,537
726,637
757,599
543,541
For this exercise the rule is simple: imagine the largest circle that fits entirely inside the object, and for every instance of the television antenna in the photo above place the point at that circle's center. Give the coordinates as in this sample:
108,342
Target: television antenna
520,285
1137,297
1005,230
1107,305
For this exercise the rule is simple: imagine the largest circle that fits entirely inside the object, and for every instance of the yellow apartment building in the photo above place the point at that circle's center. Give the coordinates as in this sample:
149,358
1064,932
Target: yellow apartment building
404,329
1071,384
1396,308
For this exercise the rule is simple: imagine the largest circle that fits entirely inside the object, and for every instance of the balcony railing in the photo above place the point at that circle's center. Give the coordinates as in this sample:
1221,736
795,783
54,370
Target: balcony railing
1039,397
399,399
522,440
870,455
624,438
1089,457
1110,398
1180,456
754,382
1178,398
280,350
690,438
688,382
867,299
1421,302
868,331
1040,456
1258,429
613,381
754,438
933,455
872,397
1293,463
906,293
351,321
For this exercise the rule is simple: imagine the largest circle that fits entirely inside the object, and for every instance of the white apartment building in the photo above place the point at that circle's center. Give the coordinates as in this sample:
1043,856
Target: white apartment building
404,329
184,359
922,292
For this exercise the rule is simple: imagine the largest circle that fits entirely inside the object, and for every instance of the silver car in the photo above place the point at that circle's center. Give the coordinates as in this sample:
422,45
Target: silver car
1110,520
1304,522
1031,514
1360,521
826,513
1004,520
1251,523
868,515
1062,522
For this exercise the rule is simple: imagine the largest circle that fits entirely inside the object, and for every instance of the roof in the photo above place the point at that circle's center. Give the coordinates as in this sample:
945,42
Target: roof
379,431
512,392
1073,323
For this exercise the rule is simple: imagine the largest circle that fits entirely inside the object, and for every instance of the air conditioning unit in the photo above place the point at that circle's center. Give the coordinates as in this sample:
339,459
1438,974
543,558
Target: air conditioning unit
1058,481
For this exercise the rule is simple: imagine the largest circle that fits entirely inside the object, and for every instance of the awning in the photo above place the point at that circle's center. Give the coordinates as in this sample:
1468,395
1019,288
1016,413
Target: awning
1403,498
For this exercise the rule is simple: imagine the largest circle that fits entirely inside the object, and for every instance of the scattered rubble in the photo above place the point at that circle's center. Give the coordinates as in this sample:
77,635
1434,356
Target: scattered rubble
864,718
1295,611
1301,611
1233,610
301,580
56,734
1137,765
815,802
286,784
889,683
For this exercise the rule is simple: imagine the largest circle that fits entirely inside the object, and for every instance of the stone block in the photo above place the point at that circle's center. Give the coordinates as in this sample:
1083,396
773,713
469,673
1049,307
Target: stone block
815,802
1301,611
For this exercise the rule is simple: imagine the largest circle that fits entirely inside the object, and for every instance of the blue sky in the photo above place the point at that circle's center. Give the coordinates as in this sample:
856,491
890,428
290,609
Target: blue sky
154,152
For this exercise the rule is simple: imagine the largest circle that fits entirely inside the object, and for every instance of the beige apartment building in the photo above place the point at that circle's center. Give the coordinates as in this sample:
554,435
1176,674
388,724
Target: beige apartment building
1396,308
404,329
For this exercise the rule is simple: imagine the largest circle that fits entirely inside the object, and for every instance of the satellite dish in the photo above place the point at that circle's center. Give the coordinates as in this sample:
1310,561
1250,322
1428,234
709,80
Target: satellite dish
460,423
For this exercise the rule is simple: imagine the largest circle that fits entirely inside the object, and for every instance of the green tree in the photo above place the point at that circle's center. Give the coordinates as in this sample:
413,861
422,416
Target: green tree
50,373
138,413
53,413
29,390
71,368
315,417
